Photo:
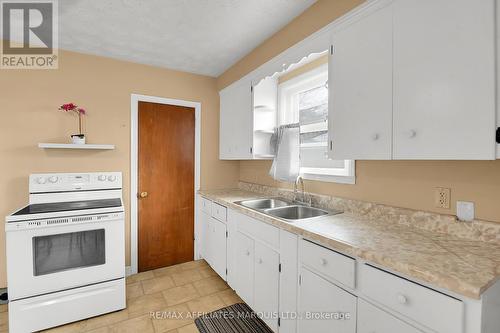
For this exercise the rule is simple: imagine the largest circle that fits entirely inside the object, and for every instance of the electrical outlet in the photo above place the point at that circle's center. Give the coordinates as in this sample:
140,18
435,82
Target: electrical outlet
442,197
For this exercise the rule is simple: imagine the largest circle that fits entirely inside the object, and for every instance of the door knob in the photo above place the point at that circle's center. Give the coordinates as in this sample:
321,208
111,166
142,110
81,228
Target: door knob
143,194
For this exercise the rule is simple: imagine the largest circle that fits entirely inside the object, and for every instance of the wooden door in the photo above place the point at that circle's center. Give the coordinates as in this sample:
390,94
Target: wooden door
360,89
166,185
318,296
266,283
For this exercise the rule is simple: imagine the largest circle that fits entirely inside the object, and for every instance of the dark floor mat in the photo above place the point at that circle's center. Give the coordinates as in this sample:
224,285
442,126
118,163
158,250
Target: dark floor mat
237,318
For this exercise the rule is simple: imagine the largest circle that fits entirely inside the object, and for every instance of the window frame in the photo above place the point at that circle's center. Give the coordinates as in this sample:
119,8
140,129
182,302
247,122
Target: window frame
287,92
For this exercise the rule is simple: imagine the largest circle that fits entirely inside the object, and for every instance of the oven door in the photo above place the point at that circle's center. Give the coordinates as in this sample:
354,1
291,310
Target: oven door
45,259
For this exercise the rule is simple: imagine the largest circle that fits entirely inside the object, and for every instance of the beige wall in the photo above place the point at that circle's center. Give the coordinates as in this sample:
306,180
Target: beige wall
399,183
28,109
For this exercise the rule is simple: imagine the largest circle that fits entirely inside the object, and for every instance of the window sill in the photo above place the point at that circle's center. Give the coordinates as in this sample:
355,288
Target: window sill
351,180
345,175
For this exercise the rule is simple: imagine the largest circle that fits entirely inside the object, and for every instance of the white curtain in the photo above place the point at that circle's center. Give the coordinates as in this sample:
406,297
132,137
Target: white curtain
285,144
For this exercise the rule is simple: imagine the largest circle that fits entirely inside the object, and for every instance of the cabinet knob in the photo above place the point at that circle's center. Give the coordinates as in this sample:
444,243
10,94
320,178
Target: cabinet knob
323,262
375,136
143,194
402,299
412,133
247,253
259,261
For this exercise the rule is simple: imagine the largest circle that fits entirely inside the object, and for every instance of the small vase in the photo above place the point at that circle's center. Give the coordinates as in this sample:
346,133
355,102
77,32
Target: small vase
78,139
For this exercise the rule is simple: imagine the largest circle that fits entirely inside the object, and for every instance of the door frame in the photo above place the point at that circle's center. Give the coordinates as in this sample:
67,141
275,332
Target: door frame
134,166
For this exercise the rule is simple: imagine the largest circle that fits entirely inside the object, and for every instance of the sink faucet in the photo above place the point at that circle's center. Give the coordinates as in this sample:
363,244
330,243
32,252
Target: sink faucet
303,194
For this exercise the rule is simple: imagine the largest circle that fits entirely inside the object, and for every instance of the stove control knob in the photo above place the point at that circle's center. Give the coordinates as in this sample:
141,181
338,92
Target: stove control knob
102,178
41,180
53,179
111,178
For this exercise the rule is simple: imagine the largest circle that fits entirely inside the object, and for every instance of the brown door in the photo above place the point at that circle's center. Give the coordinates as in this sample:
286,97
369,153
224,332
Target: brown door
166,185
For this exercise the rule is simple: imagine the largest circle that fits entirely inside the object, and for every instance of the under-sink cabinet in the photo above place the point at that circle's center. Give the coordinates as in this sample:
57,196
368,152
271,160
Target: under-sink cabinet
257,274
300,286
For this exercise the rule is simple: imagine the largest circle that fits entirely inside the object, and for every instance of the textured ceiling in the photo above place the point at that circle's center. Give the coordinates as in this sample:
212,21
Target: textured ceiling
198,36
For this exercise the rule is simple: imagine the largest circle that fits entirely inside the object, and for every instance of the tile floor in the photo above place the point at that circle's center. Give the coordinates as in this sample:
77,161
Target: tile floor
183,289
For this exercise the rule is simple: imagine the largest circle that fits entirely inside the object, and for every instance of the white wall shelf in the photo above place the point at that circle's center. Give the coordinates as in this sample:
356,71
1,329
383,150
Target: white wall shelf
74,146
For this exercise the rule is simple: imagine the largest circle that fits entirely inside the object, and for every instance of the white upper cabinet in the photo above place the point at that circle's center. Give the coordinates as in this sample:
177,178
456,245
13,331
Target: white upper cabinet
236,121
414,80
444,79
247,119
360,88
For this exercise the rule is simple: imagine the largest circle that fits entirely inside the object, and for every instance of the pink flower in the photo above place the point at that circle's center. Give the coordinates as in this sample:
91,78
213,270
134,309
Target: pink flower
73,107
67,107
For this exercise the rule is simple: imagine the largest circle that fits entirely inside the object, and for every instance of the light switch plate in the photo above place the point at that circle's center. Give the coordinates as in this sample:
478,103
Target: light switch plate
465,211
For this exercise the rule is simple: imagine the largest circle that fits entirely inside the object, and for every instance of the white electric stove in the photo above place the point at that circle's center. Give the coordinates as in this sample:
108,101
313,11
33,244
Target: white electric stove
66,250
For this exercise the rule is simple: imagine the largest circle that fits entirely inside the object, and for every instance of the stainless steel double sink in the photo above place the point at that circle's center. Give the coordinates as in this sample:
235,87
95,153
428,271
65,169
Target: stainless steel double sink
285,209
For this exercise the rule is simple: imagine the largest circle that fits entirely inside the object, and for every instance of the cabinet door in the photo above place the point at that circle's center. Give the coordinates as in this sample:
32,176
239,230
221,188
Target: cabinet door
266,284
231,247
236,121
288,280
360,88
373,320
244,267
217,247
205,236
444,79
319,297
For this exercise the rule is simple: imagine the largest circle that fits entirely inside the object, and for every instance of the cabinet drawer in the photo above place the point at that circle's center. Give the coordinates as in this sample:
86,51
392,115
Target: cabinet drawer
259,230
433,309
373,320
219,212
335,265
206,205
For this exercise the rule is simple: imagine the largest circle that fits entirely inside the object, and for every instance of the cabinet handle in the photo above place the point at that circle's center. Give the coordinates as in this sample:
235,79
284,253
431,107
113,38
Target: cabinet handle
260,261
247,253
323,262
375,137
412,133
402,299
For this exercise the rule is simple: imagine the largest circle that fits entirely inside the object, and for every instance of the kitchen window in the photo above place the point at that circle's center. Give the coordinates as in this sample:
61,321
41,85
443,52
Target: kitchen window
303,99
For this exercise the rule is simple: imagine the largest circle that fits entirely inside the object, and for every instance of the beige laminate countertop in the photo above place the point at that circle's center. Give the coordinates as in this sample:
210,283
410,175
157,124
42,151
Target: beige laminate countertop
466,267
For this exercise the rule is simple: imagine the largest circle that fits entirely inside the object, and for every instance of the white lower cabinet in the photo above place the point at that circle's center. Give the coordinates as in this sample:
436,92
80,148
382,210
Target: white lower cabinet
204,235
266,284
373,320
217,246
244,260
278,274
324,307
